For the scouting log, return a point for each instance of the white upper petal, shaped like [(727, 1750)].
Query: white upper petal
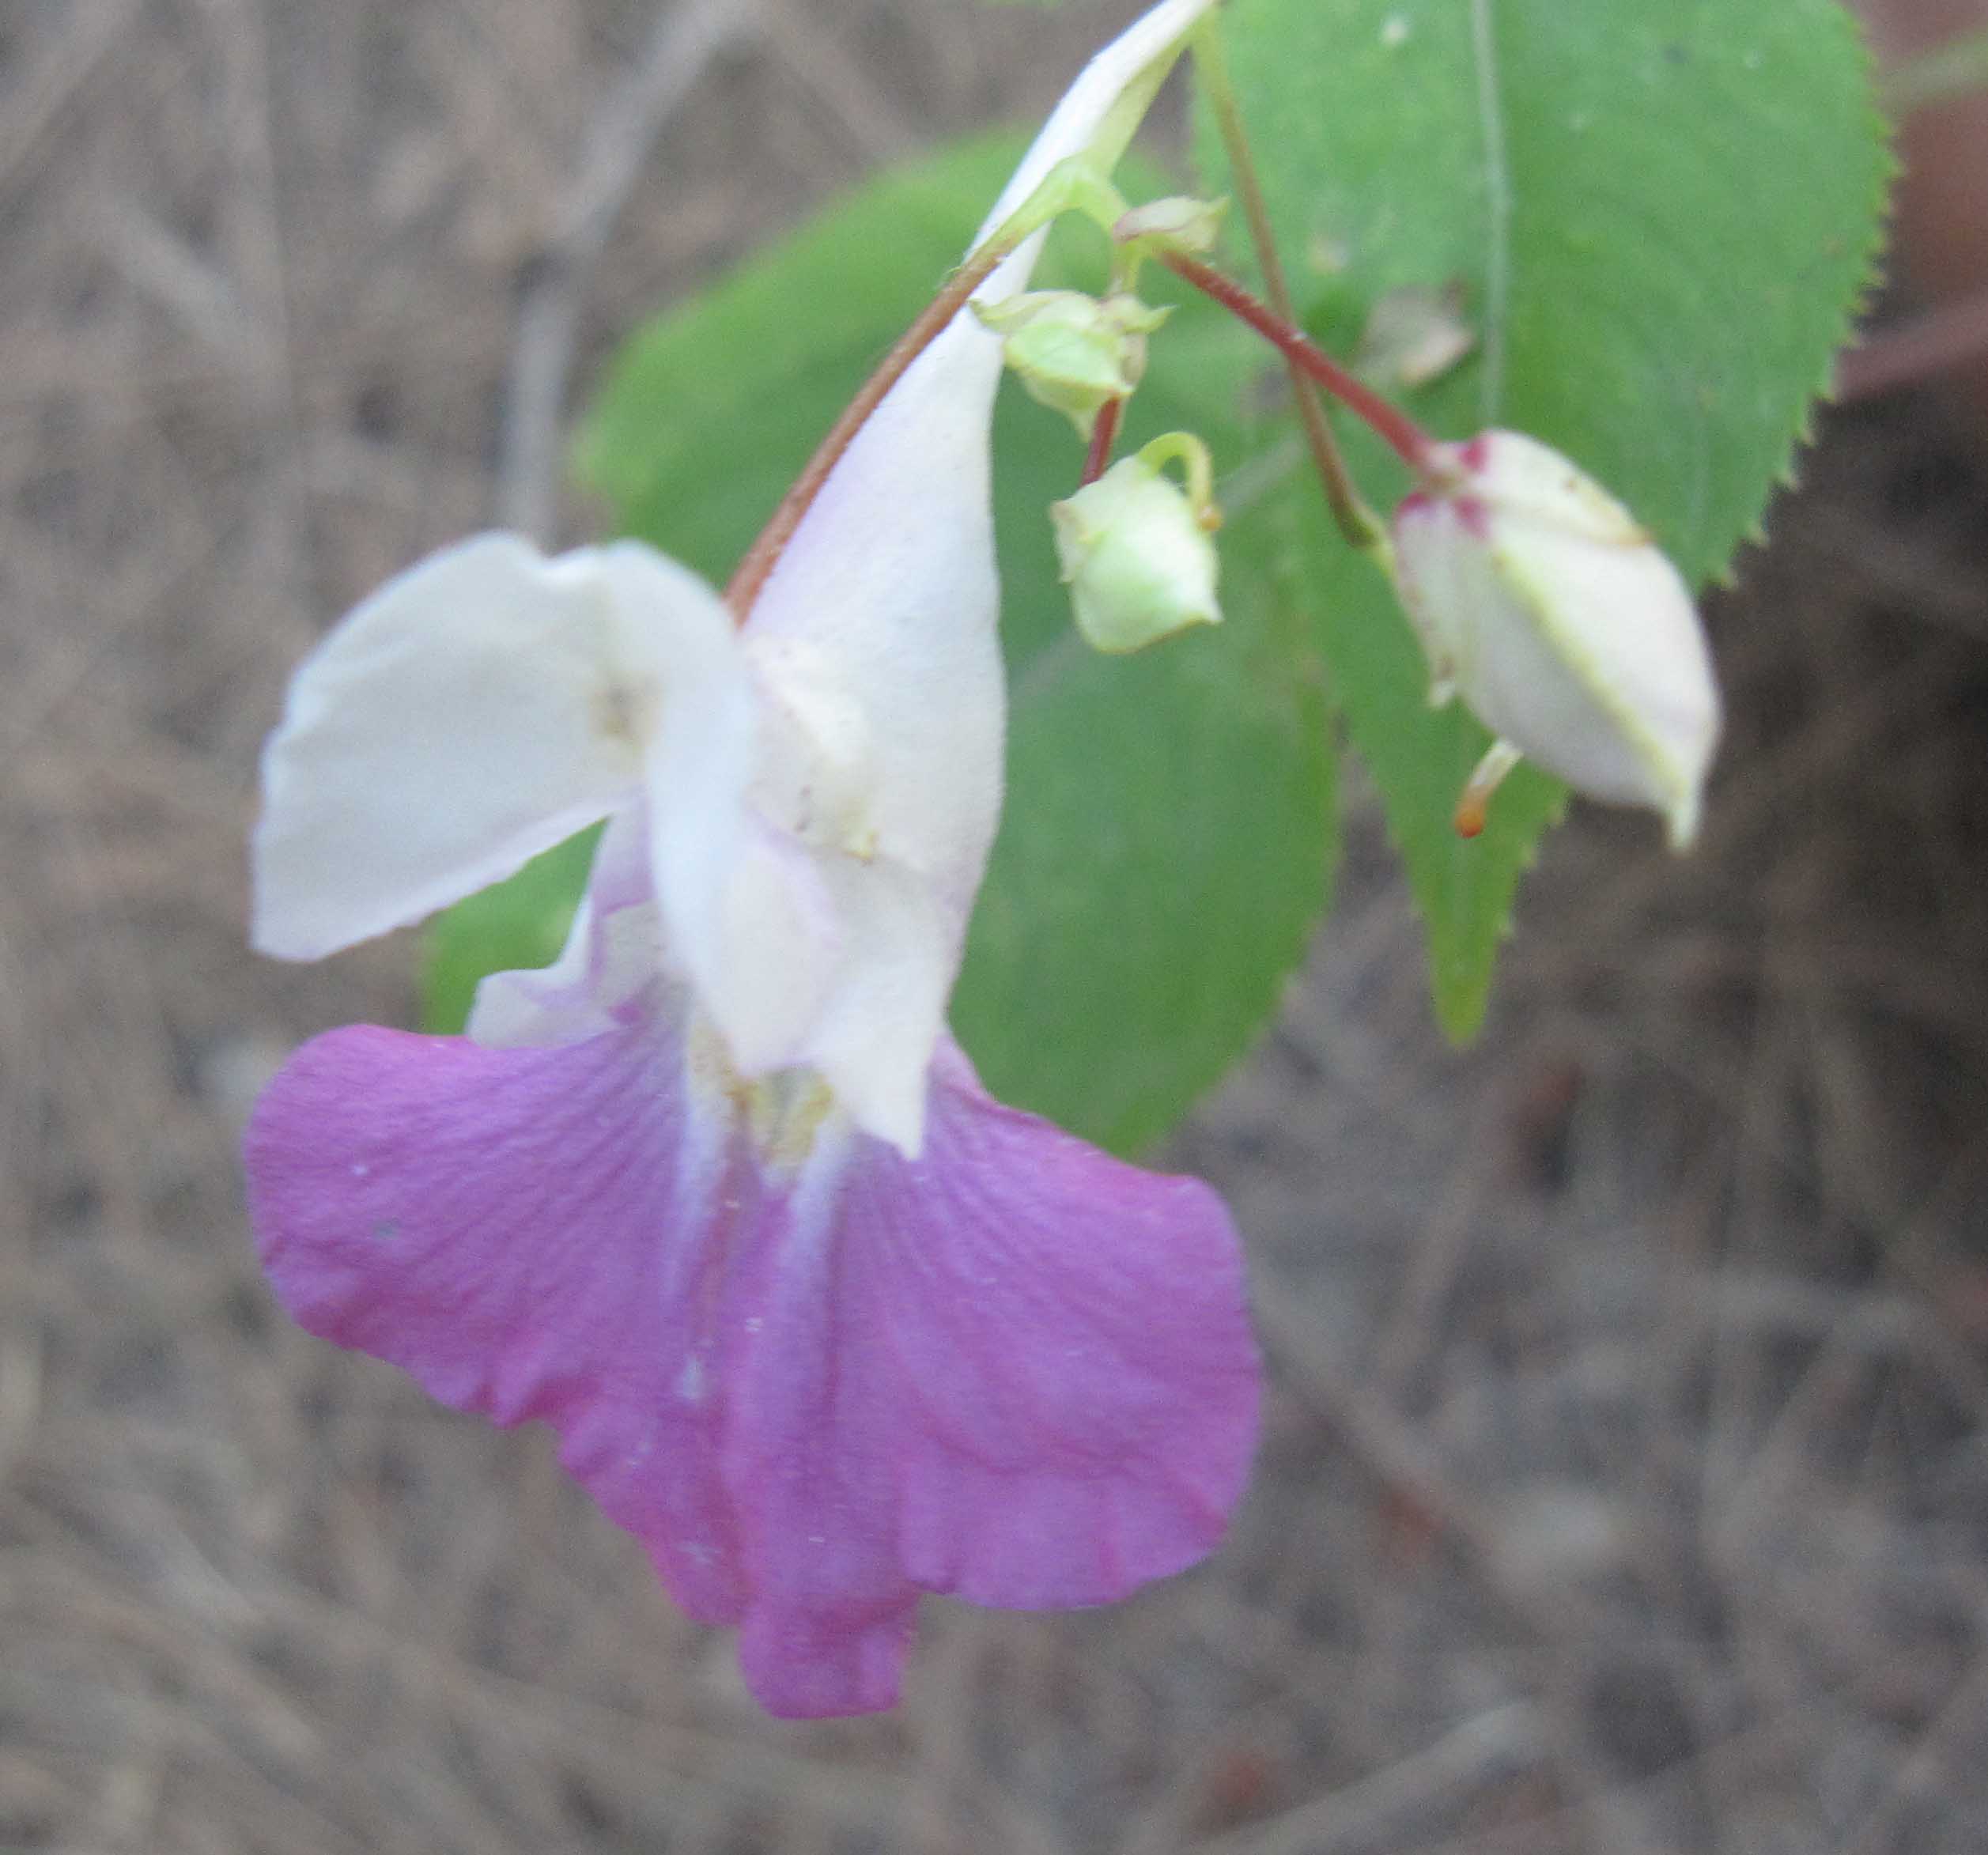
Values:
[(1103, 109), (874, 640), (613, 953), (476, 711)]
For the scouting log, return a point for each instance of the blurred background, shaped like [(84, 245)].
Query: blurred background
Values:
[(1625, 1483)]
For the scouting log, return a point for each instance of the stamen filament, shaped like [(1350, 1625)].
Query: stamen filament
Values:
[(1473, 803), (1356, 522), (1189, 451)]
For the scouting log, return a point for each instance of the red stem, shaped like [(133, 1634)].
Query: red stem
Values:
[(760, 558), (1393, 426), (1104, 435)]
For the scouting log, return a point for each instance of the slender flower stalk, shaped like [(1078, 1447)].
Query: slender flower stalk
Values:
[(1104, 437), (759, 559), (1401, 434), (1356, 522), (1957, 68)]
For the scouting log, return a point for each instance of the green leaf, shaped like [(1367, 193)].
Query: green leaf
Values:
[(1661, 213), (518, 923), (1169, 823), (1170, 827)]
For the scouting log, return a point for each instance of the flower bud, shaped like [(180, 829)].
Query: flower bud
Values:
[(1540, 602), (1136, 551), (1175, 224), (1073, 353)]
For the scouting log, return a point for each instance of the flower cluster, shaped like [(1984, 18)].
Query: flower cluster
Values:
[(715, 1194)]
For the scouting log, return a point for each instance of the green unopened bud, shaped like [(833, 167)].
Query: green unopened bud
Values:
[(1075, 353), (1137, 552), (1176, 224)]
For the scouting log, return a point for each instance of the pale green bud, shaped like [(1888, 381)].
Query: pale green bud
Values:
[(1073, 353), (1176, 224), (1137, 552)]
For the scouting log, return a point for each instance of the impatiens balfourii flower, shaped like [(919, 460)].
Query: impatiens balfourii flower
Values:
[(714, 1195), (1542, 602)]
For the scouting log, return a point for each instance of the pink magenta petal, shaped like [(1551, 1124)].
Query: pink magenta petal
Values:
[(1027, 1376), (531, 1233), (1016, 1369)]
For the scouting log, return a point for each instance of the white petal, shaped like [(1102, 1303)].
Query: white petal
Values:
[(1102, 109), (751, 916), (873, 1042), (886, 597), (1636, 716), (614, 953), (1632, 714), (1531, 482), (542, 1005), (476, 711)]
